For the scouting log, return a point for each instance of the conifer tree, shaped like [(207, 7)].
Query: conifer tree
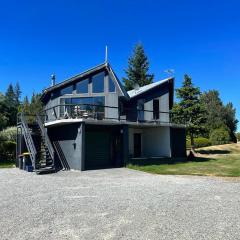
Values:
[(137, 71), (190, 109), (11, 106)]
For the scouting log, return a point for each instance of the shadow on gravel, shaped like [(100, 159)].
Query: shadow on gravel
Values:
[(155, 161), (214, 151)]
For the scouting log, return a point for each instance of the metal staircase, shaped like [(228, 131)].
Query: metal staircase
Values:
[(28, 139), (46, 157), (39, 146), (46, 153), (61, 156)]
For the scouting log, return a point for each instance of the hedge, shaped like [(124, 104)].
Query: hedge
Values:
[(199, 142), (219, 136)]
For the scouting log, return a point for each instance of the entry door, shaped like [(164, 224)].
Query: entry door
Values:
[(137, 144)]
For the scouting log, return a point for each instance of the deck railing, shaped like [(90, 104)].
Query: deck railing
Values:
[(102, 112)]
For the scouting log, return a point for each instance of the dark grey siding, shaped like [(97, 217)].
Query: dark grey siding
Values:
[(178, 142), (70, 140), (130, 107), (88, 147), (105, 146)]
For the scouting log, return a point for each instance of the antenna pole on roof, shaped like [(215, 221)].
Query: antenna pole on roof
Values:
[(106, 54), (170, 72)]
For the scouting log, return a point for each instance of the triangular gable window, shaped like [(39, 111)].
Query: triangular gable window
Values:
[(111, 85)]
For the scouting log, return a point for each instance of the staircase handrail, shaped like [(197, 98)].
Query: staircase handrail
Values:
[(45, 135), (28, 138)]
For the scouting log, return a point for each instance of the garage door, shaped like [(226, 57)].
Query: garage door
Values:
[(97, 150)]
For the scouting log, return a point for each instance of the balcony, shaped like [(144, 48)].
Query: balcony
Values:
[(100, 114)]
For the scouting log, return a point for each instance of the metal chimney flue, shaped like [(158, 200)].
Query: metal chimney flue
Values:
[(53, 79), (136, 86)]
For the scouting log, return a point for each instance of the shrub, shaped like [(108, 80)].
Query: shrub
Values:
[(9, 134), (8, 144), (238, 136), (202, 142), (199, 142), (219, 136), (7, 151)]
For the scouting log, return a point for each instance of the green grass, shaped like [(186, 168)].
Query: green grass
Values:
[(213, 161), (7, 165)]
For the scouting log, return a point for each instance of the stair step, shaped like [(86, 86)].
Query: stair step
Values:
[(47, 169)]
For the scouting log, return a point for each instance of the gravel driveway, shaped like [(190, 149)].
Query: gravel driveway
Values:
[(117, 204)]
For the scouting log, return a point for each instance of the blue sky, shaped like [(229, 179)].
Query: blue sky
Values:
[(201, 38)]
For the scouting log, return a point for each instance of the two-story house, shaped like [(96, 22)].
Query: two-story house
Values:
[(90, 121)]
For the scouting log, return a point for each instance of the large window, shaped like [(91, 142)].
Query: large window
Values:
[(98, 83), (66, 90), (86, 106), (82, 87), (111, 85)]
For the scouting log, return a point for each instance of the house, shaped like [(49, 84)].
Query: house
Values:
[(90, 121)]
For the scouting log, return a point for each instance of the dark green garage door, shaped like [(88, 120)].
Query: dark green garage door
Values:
[(97, 150)]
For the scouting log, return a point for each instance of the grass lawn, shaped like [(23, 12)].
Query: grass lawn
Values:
[(6, 164), (223, 160)]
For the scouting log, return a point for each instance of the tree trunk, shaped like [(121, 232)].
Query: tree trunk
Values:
[(192, 143)]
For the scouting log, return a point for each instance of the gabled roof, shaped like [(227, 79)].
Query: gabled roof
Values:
[(97, 68), (135, 92)]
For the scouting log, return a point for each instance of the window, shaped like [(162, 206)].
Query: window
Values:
[(111, 85), (140, 110), (94, 105), (155, 109), (82, 87), (66, 90), (98, 83)]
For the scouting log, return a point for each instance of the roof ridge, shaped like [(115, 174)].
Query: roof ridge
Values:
[(135, 92), (73, 77)]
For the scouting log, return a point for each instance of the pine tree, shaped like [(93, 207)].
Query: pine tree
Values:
[(137, 71), (25, 106), (230, 120), (11, 106), (214, 110), (36, 105), (17, 93), (3, 111), (219, 116), (189, 108)]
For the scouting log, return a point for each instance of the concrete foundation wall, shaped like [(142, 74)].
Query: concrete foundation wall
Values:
[(155, 141)]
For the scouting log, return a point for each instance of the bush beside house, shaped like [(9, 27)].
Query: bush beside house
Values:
[(199, 142), (220, 136), (8, 144)]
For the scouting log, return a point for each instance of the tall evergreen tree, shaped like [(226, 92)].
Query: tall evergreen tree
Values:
[(18, 93), (25, 106), (36, 105), (3, 111), (11, 105), (189, 108), (214, 110), (137, 71), (230, 120), (218, 115)]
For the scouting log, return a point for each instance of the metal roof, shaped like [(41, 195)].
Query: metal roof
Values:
[(136, 92)]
